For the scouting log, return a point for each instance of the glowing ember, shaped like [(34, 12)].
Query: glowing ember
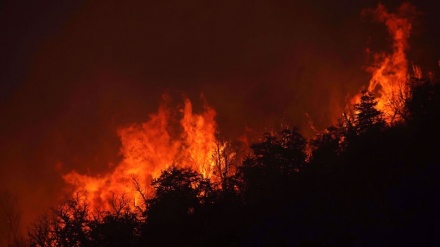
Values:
[(149, 148)]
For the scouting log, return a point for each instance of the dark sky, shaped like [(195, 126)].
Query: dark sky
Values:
[(72, 72)]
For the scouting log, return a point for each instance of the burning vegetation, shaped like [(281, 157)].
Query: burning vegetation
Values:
[(178, 183), (390, 71), (358, 183), (172, 137), (179, 137)]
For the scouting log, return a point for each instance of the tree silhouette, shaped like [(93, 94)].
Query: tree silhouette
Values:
[(118, 227), (70, 225), (179, 194), (283, 153), (274, 161), (40, 232), (423, 104), (65, 225), (368, 118), (225, 164), (326, 149), (115, 230)]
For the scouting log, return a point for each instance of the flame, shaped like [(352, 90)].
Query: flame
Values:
[(389, 79), (199, 135), (150, 147)]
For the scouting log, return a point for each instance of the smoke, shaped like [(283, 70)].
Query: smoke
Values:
[(73, 74)]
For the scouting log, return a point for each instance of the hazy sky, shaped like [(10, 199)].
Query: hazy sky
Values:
[(72, 72)]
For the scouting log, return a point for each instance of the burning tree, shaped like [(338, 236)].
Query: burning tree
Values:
[(225, 160)]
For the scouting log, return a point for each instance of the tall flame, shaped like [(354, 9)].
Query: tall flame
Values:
[(389, 79), (149, 148)]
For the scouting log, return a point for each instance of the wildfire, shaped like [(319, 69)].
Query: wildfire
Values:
[(188, 139), (389, 79), (182, 138)]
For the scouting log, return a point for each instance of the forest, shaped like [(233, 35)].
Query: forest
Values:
[(363, 182)]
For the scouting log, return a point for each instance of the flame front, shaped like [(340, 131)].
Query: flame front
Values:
[(149, 148), (389, 79)]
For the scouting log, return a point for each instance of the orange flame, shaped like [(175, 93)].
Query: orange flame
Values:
[(149, 148), (390, 71)]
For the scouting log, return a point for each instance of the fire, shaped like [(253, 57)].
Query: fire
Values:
[(389, 79), (170, 137)]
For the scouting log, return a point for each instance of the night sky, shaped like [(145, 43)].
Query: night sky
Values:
[(73, 72)]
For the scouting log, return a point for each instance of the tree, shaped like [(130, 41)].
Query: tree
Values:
[(177, 191), (180, 193), (368, 118), (71, 223), (326, 148), (225, 166), (40, 232), (283, 153), (267, 172), (118, 227), (65, 225), (424, 103), (115, 229)]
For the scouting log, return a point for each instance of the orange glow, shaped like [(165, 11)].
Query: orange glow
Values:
[(150, 147), (389, 79)]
